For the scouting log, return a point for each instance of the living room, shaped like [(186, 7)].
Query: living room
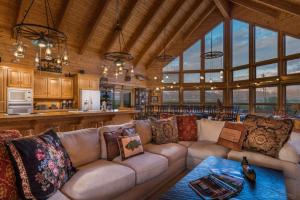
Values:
[(157, 99)]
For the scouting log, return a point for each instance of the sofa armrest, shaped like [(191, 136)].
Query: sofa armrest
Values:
[(289, 153)]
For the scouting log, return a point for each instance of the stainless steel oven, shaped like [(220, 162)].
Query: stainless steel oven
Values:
[(19, 101)]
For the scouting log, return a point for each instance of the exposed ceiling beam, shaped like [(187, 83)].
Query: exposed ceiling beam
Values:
[(175, 9), (22, 7), (176, 30), (282, 5), (142, 25), (91, 30), (198, 23), (257, 7), (111, 37), (66, 10), (224, 8)]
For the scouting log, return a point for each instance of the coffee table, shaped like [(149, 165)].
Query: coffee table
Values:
[(269, 183)]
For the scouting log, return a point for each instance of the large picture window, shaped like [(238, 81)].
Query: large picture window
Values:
[(241, 75), (266, 44), (212, 77), (292, 45), (240, 43), (171, 97), (171, 78), (292, 99), (269, 70), (293, 66), (240, 97), (191, 57), (212, 96), (266, 100), (191, 78), (191, 96), (173, 66)]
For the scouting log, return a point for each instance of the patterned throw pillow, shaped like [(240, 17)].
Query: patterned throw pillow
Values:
[(130, 146), (164, 130), (42, 165), (129, 131), (111, 140), (187, 127), (266, 135), (232, 136), (8, 187)]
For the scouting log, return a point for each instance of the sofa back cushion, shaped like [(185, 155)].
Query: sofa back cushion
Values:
[(187, 127), (107, 129), (164, 130), (266, 135), (83, 146), (143, 128), (209, 130)]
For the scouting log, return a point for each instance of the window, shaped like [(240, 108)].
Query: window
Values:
[(170, 78), (191, 96), (171, 96), (292, 45), (213, 77), (211, 96), (240, 43), (116, 100), (191, 57), (217, 35), (191, 78), (266, 44), (240, 97), (266, 99), (173, 66), (292, 99), (293, 66), (126, 98), (240, 75), (267, 70)]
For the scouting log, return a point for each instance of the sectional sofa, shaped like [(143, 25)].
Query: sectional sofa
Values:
[(140, 176)]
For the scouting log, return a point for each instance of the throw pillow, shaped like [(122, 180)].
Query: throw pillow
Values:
[(266, 135), (42, 165), (164, 130), (143, 128), (129, 131), (187, 127), (232, 136), (111, 141), (8, 187), (130, 146)]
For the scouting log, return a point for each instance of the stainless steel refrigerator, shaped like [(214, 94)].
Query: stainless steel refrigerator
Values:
[(89, 100)]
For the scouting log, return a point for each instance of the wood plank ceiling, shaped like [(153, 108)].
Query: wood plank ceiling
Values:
[(148, 25)]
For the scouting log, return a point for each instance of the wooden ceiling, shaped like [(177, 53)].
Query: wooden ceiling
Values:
[(148, 25)]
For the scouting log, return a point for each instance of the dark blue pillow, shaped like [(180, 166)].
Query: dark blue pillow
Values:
[(42, 165)]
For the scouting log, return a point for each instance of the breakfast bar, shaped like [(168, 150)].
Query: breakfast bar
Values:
[(30, 124)]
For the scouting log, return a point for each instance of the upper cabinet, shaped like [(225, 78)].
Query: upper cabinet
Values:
[(88, 82), (49, 86), (17, 77)]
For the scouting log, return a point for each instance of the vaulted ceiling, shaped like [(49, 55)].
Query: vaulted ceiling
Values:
[(148, 25)]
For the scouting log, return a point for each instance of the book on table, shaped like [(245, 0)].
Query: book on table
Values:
[(218, 185)]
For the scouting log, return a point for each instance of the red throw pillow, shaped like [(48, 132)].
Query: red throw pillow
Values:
[(8, 187), (187, 127)]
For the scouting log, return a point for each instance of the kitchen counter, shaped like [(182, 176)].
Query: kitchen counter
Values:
[(63, 121)]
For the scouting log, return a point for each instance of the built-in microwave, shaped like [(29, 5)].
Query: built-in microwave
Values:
[(19, 95), (19, 101)]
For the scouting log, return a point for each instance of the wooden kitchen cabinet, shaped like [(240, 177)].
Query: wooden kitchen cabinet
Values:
[(40, 86), (67, 88), (2, 90), (88, 82), (54, 88), (17, 77), (94, 84)]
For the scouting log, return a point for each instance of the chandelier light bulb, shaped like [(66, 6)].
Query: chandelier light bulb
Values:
[(157, 89), (171, 86), (37, 59), (162, 81), (155, 77), (210, 80), (174, 82), (20, 48), (58, 60), (167, 77), (48, 53), (120, 68), (221, 77), (201, 77), (212, 88), (221, 72), (105, 69), (16, 54)]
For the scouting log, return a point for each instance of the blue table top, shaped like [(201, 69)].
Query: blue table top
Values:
[(269, 183)]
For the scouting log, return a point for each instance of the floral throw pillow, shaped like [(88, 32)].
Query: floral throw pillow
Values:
[(42, 166), (266, 135), (130, 146), (187, 127), (164, 130), (8, 187)]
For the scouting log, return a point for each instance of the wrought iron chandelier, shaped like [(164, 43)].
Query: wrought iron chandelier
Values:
[(121, 59), (164, 57), (50, 43)]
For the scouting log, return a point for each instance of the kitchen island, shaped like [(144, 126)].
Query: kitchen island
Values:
[(31, 124)]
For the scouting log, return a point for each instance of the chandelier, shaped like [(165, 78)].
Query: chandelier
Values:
[(50, 44), (121, 58), (164, 57)]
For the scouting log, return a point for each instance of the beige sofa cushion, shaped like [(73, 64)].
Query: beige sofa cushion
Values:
[(290, 169), (99, 180), (83, 146), (209, 130), (203, 149), (110, 128), (143, 128), (146, 166), (288, 153), (58, 196), (172, 151), (186, 143)]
